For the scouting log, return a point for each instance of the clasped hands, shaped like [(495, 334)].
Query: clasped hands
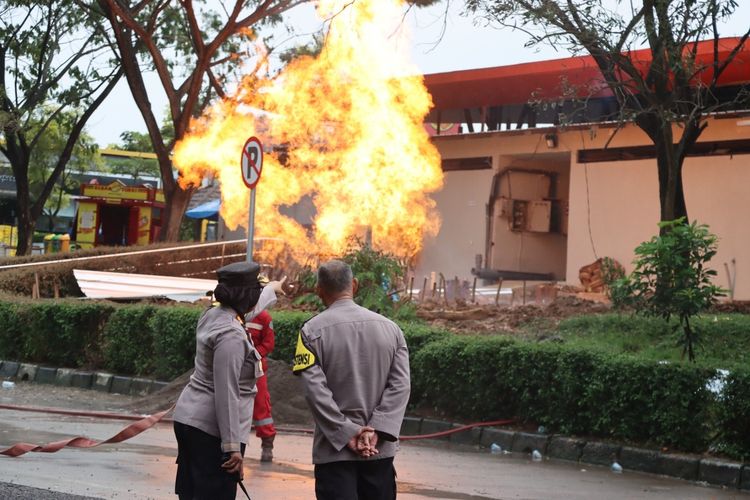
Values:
[(365, 442)]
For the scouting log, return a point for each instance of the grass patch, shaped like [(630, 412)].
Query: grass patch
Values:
[(724, 338)]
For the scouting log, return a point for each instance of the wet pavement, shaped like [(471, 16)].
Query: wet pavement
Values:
[(143, 468)]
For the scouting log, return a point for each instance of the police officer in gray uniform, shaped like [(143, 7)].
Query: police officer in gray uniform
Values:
[(213, 415), (354, 364)]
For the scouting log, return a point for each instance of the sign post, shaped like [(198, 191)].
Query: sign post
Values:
[(252, 165)]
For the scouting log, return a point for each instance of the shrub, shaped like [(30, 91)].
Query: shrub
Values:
[(418, 335), (286, 327), (671, 278), (571, 391), (444, 377), (733, 419), (173, 331), (128, 342), (12, 333), (63, 333), (381, 286)]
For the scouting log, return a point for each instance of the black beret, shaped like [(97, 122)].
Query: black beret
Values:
[(239, 274)]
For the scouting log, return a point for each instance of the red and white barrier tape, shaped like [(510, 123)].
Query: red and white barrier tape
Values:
[(144, 423), (128, 432)]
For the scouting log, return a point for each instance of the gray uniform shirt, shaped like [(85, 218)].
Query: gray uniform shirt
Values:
[(360, 377), (220, 394)]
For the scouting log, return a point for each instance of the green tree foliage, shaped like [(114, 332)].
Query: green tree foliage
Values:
[(194, 48), (658, 96), (45, 156), (380, 276), (57, 68), (381, 282), (134, 167), (310, 49), (671, 278)]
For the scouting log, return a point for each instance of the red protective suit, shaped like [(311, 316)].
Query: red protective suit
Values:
[(260, 329)]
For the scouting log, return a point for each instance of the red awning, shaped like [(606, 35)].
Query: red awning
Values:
[(547, 80)]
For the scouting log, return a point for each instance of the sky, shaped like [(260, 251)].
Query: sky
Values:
[(439, 43)]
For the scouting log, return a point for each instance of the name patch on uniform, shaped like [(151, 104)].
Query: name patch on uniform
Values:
[(303, 357)]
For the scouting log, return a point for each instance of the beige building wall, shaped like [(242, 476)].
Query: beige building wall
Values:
[(623, 202), (614, 206), (625, 212), (510, 250), (718, 194), (462, 207)]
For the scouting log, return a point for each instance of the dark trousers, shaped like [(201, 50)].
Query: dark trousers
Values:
[(356, 480), (199, 472)]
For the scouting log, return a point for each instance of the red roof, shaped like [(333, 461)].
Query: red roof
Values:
[(518, 83)]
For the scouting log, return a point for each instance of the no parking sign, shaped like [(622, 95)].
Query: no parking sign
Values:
[(251, 165), (252, 162)]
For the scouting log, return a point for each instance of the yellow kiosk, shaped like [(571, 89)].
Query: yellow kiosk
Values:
[(116, 214)]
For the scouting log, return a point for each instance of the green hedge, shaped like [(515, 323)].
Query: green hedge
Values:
[(11, 333), (158, 341), (286, 327), (569, 390), (127, 340), (63, 333), (734, 415), (173, 330)]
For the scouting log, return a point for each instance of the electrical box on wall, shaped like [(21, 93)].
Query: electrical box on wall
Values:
[(539, 215), (503, 207), (518, 216), (530, 216)]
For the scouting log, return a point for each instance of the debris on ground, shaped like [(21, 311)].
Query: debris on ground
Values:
[(595, 276)]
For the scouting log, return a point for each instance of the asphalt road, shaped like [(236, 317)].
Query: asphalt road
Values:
[(143, 468)]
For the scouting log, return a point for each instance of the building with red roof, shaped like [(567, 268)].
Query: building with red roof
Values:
[(541, 180)]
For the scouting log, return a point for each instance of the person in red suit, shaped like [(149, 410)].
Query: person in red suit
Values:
[(260, 330)]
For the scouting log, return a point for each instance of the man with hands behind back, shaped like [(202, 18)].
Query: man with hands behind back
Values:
[(354, 365)]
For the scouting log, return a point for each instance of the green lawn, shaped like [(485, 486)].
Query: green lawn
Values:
[(725, 338)]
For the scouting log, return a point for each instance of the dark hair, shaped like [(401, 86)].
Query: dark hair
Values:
[(240, 298), (335, 276)]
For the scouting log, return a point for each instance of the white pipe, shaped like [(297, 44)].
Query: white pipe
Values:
[(139, 252)]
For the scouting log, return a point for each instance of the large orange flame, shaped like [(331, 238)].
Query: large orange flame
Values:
[(351, 123)]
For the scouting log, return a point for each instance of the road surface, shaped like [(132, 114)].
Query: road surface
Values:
[(143, 468)]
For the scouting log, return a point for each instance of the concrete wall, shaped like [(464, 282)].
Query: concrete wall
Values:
[(614, 206), (462, 206), (623, 201)]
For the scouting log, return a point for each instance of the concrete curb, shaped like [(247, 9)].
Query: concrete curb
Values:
[(66, 377), (723, 473)]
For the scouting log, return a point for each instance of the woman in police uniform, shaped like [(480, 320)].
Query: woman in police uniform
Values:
[(213, 415)]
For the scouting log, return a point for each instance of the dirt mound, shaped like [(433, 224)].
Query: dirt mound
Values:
[(287, 398), (493, 319), (736, 306)]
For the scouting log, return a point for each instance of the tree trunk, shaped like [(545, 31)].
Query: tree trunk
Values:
[(671, 191), (18, 157), (669, 163), (26, 225), (177, 202)]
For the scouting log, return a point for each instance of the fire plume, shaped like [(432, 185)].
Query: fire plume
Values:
[(351, 124)]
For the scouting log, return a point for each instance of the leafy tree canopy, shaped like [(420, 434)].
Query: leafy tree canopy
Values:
[(57, 68)]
